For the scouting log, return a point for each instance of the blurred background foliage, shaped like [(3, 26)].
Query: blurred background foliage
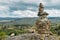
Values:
[(21, 29)]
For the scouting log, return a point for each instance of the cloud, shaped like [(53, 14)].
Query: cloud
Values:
[(28, 8), (8, 1), (26, 13), (55, 2), (34, 1), (4, 11), (29, 13), (53, 13)]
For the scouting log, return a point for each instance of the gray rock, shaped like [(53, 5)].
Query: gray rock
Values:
[(31, 36)]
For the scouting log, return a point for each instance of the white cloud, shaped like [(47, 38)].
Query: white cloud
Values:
[(45, 2), (53, 13), (26, 13), (29, 8), (52, 2), (55, 2), (35, 1), (8, 1), (4, 8), (25, 1), (4, 11)]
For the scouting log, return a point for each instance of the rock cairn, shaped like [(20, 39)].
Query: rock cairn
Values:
[(43, 24)]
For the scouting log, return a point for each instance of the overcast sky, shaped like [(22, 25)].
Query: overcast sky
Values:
[(28, 8)]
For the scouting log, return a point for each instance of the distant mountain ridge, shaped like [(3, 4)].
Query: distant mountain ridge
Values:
[(27, 20), (9, 18)]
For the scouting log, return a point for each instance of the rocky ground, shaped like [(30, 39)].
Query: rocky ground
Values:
[(30, 36)]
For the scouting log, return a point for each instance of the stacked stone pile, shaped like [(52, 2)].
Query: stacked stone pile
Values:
[(43, 25)]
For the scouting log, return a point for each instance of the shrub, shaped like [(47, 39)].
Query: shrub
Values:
[(2, 35)]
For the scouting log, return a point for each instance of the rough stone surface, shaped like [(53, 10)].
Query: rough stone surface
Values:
[(30, 36)]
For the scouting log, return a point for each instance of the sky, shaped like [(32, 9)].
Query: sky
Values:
[(28, 8)]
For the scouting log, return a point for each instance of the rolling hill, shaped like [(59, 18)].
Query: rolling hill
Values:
[(28, 20)]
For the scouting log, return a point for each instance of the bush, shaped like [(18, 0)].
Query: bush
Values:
[(2, 35), (59, 32), (56, 30)]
